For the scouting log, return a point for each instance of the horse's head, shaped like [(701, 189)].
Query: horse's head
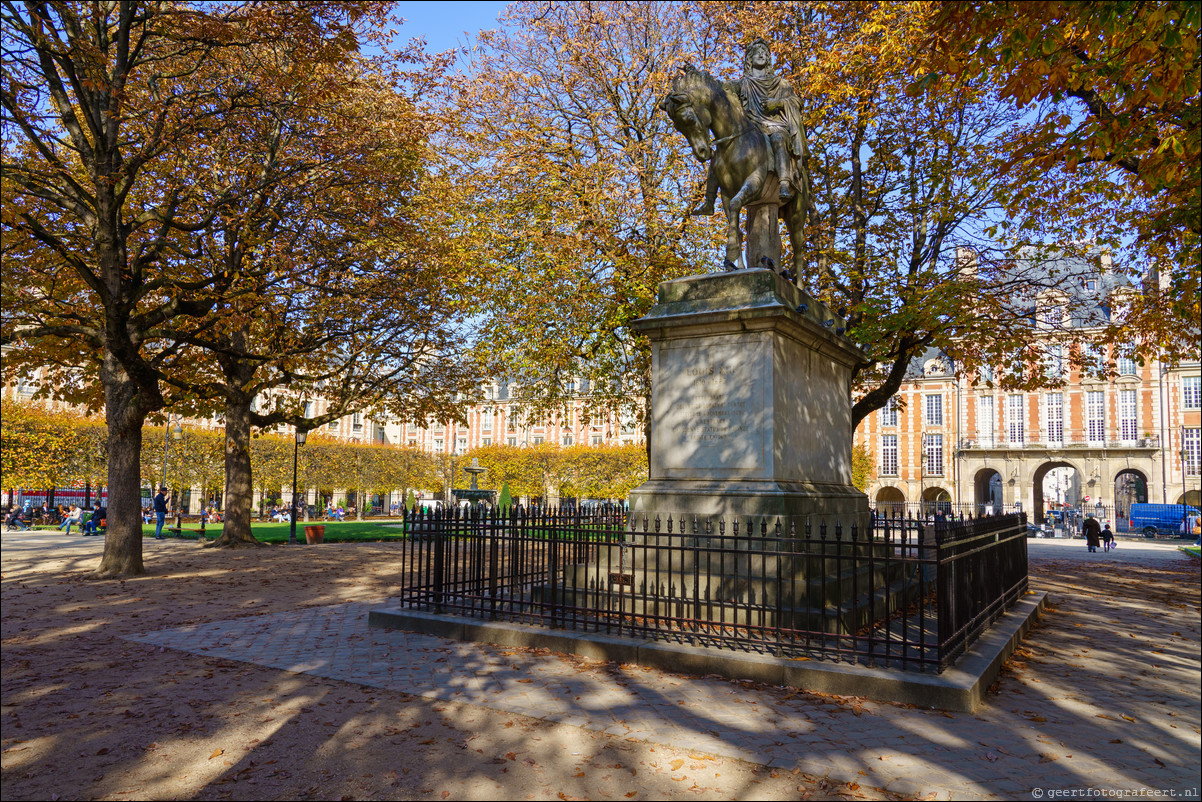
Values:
[(689, 113)]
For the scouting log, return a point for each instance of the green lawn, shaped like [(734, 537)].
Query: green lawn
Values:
[(336, 532)]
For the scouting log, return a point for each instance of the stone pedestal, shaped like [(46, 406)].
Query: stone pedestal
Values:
[(750, 406)]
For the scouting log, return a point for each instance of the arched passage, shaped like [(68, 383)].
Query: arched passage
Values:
[(890, 501), (1055, 486), (987, 491), (935, 499), (1130, 487), (1193, 498)]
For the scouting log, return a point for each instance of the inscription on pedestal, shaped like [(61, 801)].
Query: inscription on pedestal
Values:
[(713, 415), (713, 411)]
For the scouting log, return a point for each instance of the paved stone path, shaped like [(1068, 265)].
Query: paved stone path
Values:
[(1104, 694)]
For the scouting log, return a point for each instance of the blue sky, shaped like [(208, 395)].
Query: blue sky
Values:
[(447, 25)]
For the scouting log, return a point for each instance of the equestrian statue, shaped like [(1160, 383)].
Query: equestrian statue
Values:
[(757, 156)]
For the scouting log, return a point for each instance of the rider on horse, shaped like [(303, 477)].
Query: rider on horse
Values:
[(776, 111)]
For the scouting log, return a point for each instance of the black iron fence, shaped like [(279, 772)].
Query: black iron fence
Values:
[(894, 591), (932, 509)]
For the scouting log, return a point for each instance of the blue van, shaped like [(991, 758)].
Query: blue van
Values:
[(1164, 519)]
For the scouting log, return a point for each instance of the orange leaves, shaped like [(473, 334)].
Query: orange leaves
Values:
[(44, 447), (1128, 74)]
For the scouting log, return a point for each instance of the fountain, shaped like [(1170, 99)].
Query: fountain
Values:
[(474, 494)]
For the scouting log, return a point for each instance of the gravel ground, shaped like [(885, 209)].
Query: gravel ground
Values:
[(87, 714)]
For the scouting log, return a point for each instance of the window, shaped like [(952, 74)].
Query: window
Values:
[(1016, 413), (412, 443), (889, 412), (1055, 418), (438, 446), (596, 440), (1126, 366), (986, 418), (1191, 392), (889, 455), (1095, 416), (512, 441), (486, 422), (461, 445), (487, 441), (333, 425), (1093, 359), (1052, 316), (357, 422), (308, 409), (986, 374), (934, 410), (379, 434), (538, 441), (567, 439), (1191, 444), (1089, 284), (1053, 363), (933, 451), (1128, 419)]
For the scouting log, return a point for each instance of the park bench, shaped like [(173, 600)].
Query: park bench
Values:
[(179, 528)]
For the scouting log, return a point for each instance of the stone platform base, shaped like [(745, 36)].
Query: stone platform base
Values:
[(959, 688)]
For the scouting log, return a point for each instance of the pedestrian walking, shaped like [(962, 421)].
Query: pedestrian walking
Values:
[(1092, 532), (1108, 541), (160, 512)]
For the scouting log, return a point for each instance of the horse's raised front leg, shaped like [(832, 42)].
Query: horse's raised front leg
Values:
[(711, 193)]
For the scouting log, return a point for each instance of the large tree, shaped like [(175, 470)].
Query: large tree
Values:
[(1124, 81), (573, 194), (104, 104), (910, 232), (333, 284)]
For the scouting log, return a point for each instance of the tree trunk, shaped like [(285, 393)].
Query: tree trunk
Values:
[(239, 489), (124, 416)]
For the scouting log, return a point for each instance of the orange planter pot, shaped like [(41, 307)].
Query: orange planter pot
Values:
[(315, 534)]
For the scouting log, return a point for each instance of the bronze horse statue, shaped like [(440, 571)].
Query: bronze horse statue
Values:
[(740, 157)]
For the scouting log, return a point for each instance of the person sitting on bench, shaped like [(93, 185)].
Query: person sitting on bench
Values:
[(14, 520), (92, 527)]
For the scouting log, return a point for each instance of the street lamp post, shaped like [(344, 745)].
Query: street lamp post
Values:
[(449, 498), (300, 441), (176, 433), (922, 465)]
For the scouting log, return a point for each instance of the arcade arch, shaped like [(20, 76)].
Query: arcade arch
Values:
[(1130, 487), (935, 499), (987, 491), (890, 501), (1056, 485)]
